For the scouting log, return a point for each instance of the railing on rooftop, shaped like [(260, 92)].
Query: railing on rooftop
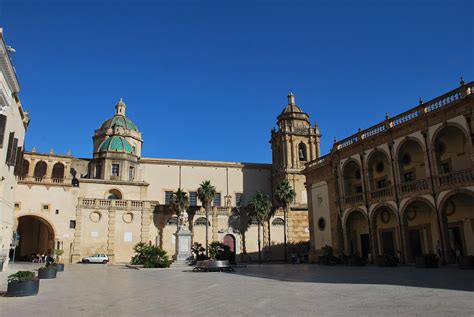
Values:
[(43, 180), (110, 203), (444, 100)]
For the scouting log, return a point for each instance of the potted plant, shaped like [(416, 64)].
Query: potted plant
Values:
[(59, 264), (466, 262), (429, 261), (48, 271), (22, 283)]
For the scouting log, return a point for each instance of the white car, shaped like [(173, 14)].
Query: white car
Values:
[(96, 258)]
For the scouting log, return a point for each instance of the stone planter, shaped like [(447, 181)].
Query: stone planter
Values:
[(427, 261), (47, 273), (466, 262), (24, 288), (60, 267)]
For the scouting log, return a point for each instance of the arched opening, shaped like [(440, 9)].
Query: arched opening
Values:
[(420, 229), (278, 222), (352, 178), (40, 170), (411, 161), (25, 167), (379, 170), (451, 150), (114, 194), (302, 154), (201, 221), (58, 171), (229, 240), (357, 231), (386, 234), (458, 222), (36, 237)]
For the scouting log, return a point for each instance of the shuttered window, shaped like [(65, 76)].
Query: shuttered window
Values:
[(3, 124), (11, 137)]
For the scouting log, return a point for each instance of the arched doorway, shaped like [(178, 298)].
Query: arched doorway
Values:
[(229, 240), (357, 234), (457, 216), (385, 232), (36, 236)]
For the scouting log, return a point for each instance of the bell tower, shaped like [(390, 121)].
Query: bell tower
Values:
[(294, 143)]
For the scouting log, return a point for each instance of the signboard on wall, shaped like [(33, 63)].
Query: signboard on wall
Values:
[(127, 237)]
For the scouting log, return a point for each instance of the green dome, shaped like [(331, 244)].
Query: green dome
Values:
[(115, 144), (119, 121)]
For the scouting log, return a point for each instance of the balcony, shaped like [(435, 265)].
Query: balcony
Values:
[(456, 178), (382, 194), (354, 200), (416, 187), (94, 203), (43, 180)]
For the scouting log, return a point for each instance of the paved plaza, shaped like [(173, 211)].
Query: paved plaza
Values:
[(265, 290)]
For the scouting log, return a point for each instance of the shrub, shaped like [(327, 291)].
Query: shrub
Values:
[(198, 251), (149, 256), (21, 276), (219, 251), (58, 253)]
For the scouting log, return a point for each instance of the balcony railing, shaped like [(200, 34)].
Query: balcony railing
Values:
[(352, 200), (43, 180), (110, 203), (382, 194), (416, 186), (457, 178)]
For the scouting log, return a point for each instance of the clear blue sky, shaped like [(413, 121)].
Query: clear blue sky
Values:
[(207, 79)]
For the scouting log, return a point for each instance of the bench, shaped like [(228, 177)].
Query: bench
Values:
[(213, 266)]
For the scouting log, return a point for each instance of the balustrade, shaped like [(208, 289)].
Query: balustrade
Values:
[(415, 186), (457, 177), (114, 203), (356, 199), (382, 193), (43, 180)]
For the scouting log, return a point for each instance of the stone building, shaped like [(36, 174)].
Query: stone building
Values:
[(13, 124), (402, 187), (117, 198)]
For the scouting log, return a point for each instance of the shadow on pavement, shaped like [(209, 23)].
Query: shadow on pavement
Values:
[(443, 278)]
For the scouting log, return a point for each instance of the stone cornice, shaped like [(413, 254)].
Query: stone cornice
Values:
[(7, 65), (159, 161), (111, 182)]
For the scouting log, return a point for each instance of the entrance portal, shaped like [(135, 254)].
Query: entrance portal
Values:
[(36, 236), (229, 241)]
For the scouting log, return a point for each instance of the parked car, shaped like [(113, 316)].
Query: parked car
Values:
[(96, 258)]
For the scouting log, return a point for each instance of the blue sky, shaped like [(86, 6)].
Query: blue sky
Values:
[(207, 79)]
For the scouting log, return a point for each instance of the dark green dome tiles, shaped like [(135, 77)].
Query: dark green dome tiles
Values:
[(119, 121), (115, 144)]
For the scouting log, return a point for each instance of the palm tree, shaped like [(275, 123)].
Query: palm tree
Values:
[(260, 207), (206, 193), (268, 217), (285, 195), (180, 202)]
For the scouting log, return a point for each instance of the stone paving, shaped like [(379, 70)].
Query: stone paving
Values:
[(256, 290)]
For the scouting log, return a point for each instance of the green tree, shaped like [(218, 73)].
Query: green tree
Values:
[(149, 256), (259, 207), (180, 202), (206, 193), (285, 195)]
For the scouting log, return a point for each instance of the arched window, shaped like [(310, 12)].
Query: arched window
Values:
[(253, 222), (25, 166), (114, 194), (302, 152), (58, 171), (40, 169), (278, 222), (201, 221)]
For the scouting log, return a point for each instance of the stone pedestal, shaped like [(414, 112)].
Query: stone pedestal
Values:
[(183, 245)]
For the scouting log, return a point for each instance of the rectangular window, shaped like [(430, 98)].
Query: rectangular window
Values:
[(72, 224), (168, 195), (238, 199), (192, 198), (445, 168), (44, 207), (11, 137), (17, 206), (3, 125), (409, 176), (217, 200), (382, 183), (358, 189), (115, 169), (19, 162), (131, 173)]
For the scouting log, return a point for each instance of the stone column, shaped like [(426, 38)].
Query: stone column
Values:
[(145, 223), (111, 236)]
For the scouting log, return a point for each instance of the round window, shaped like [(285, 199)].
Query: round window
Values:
[(127, 217), (385, 216), (95, 216), (380, 167), (321, 224)]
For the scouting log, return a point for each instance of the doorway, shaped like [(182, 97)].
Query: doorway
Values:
[(415, 247), (229, 240), (388, 243), (36, 237), (365, 245)]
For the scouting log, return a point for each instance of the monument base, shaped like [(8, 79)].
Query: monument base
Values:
[(183, 245)]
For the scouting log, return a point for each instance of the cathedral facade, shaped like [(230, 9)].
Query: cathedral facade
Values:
[(117, 198)]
